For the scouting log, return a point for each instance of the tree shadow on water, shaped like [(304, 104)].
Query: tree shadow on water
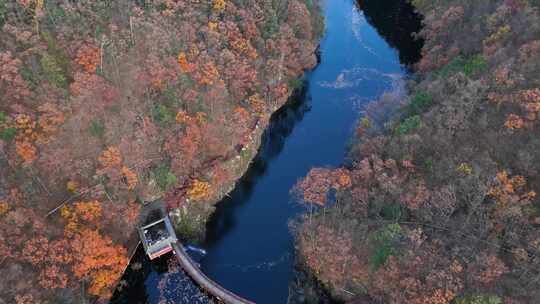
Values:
[(282, 124)]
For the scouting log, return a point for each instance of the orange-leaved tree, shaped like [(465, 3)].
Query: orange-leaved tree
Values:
[(185, 66), (98, 260), (110, 157), (26, 150), (131, 178), (88, 57), (314, 188), (219, 5), (81, 213), (509, 190), (199, 190)]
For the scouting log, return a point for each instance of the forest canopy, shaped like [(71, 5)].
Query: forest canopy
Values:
[(105, 105), (440, 204)]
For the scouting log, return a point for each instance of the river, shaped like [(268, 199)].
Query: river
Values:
[(250, 245)]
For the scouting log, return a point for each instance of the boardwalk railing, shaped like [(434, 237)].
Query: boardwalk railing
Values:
[(200, 278)]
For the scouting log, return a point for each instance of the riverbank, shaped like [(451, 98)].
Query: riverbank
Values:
[(439, 204), (108, 105), (249, 245), (132, 284), (191, 219)]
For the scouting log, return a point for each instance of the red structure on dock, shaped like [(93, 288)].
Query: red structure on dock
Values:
[(158, 237)]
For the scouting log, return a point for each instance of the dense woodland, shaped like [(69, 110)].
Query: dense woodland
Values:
[(105, 105), (440, 203)]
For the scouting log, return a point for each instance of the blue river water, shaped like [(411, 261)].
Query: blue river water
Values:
[(249, 244)]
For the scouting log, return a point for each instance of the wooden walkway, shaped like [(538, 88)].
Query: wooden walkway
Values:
[(205, 282)]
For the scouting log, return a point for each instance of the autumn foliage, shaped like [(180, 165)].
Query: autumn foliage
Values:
[(88, 58), (315, 187), (79, 214), (185, 66), (199, 190), (110, 157), (510, 194), (444, 211), (219, 5), (104, 108), (26, 150), (99, 261), (130, 177)]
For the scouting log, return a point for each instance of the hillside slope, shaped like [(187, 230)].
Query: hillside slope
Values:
[(440, 204), (105, 105)]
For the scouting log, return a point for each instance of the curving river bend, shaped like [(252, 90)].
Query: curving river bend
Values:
[(250, 248)]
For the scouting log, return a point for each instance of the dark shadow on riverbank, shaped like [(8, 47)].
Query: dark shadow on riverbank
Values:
[(281, 125), (132, 288), (396, 21)]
